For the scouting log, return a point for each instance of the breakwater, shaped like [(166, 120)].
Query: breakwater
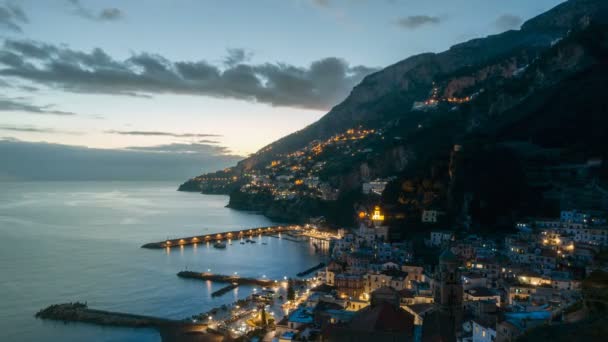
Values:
[(79, 312), (224, 290), (235, 234), (225, 278), (310, 270), (220, 278)]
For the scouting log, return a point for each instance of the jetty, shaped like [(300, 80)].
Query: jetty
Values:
[(220, 278), (310, 270), (224, 290), (217, 237), (235, 279), (80, 312)]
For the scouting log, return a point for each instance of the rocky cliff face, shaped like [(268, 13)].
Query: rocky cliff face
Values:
[(489, 90), (387, 94)]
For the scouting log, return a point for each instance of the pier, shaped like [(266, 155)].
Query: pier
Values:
[(236, 234), (79, 312)]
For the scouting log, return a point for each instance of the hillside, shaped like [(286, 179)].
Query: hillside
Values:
[(466, 131)]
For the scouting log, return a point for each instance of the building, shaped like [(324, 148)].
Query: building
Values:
[(444, 323), (483, 331), (382, 320), (375, 187), (481, 293), (439, 238), (395, 279), (302, 316), (349, 285), (430, 216)]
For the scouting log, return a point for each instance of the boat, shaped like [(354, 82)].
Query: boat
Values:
[(220, 245)]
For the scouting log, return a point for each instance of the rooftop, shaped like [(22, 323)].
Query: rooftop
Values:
[(481, 292), (301, 315)]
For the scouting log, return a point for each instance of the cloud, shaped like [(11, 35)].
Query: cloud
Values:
[(321, 3), (207, 141), (105, 14), (164, 134), (32, 129), (193, 148), (508, 22), (24, 161), (12, 17), (21, 105), (415, 21), (237, 56), (319, 86)]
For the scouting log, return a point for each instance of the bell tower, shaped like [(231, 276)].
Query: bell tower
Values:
[(449, 293)]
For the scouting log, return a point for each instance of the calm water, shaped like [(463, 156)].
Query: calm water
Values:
[(80, 241)]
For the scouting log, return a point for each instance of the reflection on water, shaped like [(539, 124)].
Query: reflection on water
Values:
[(81, 241)]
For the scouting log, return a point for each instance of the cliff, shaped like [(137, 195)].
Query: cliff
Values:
[(532, 85)]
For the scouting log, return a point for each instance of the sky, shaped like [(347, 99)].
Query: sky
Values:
[(206, 81)]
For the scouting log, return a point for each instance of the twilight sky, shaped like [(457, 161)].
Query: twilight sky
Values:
[(209, 78)]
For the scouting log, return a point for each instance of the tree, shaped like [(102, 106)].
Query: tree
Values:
[(263, 317), (291, 293)]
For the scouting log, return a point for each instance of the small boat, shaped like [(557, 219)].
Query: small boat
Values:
[(220, 245), (242, 243)]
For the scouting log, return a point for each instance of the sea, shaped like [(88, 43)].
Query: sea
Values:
[(80, 241)]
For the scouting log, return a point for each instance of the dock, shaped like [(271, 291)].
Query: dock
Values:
[(80, 312), (215, 237)]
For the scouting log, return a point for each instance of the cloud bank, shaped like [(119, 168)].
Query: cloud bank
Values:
[(46, 161), (319, 86), (164, 134)]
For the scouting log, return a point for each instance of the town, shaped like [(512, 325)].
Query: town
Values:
[(549, 272), (302, 173)]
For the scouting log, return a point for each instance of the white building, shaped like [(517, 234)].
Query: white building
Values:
[(375, 187), (483, 332)]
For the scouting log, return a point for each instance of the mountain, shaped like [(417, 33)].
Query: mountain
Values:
[(467, 131)]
